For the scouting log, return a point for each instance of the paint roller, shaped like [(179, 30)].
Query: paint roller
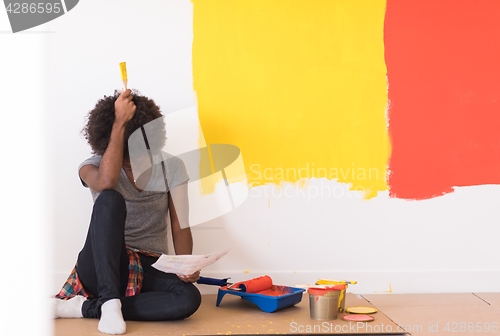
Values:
[(254, 285), (250, 286), (213, 282)]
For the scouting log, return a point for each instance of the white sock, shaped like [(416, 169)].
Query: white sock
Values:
[(111, 318), (68, 308)]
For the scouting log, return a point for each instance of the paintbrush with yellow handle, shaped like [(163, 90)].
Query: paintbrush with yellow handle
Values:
[(123, 72), (324, 281)]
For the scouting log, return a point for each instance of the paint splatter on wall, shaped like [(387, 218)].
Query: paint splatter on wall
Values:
[(443, 63), (299, 87)]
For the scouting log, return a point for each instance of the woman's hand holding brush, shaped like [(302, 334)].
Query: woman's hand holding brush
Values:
[(124, 107)]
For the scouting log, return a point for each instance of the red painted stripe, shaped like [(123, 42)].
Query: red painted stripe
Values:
[(443, 67)]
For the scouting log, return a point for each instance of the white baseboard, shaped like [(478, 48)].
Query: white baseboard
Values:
[(383, 282), (369, 282)]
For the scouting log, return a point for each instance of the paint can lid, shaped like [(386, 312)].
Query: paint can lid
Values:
[(361, 310), (358, 318)]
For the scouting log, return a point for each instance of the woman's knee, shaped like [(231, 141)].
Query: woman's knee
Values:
[(192, 301), (110, 199), (188, 300)]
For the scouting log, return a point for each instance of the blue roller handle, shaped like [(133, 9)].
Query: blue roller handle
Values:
[(212, 281)]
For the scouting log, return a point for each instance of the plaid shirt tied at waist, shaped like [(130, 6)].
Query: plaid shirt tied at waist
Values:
[(73, 287)]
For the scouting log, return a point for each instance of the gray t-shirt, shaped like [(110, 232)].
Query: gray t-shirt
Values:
[(146, 222)]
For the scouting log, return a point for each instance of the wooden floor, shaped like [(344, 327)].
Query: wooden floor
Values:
[(417, 314)]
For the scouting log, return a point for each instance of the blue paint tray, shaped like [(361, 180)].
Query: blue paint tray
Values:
[(267, 303)]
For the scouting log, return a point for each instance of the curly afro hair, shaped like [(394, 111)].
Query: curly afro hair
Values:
[(97, 130)]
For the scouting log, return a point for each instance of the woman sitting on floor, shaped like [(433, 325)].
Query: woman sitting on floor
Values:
[(113, 279)]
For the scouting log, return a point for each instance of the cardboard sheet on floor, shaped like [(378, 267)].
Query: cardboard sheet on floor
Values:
[(492, 298), (237, 316), (440, 314)]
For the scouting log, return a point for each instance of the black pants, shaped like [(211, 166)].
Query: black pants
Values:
[(103, 271)]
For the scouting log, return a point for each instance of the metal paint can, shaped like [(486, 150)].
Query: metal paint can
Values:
[(342, 291), (323, 303)]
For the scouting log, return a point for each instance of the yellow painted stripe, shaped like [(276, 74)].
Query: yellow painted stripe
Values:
[(299, 86)]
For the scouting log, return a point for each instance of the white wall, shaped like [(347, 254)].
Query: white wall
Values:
[(446, 244), (25, 240)]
